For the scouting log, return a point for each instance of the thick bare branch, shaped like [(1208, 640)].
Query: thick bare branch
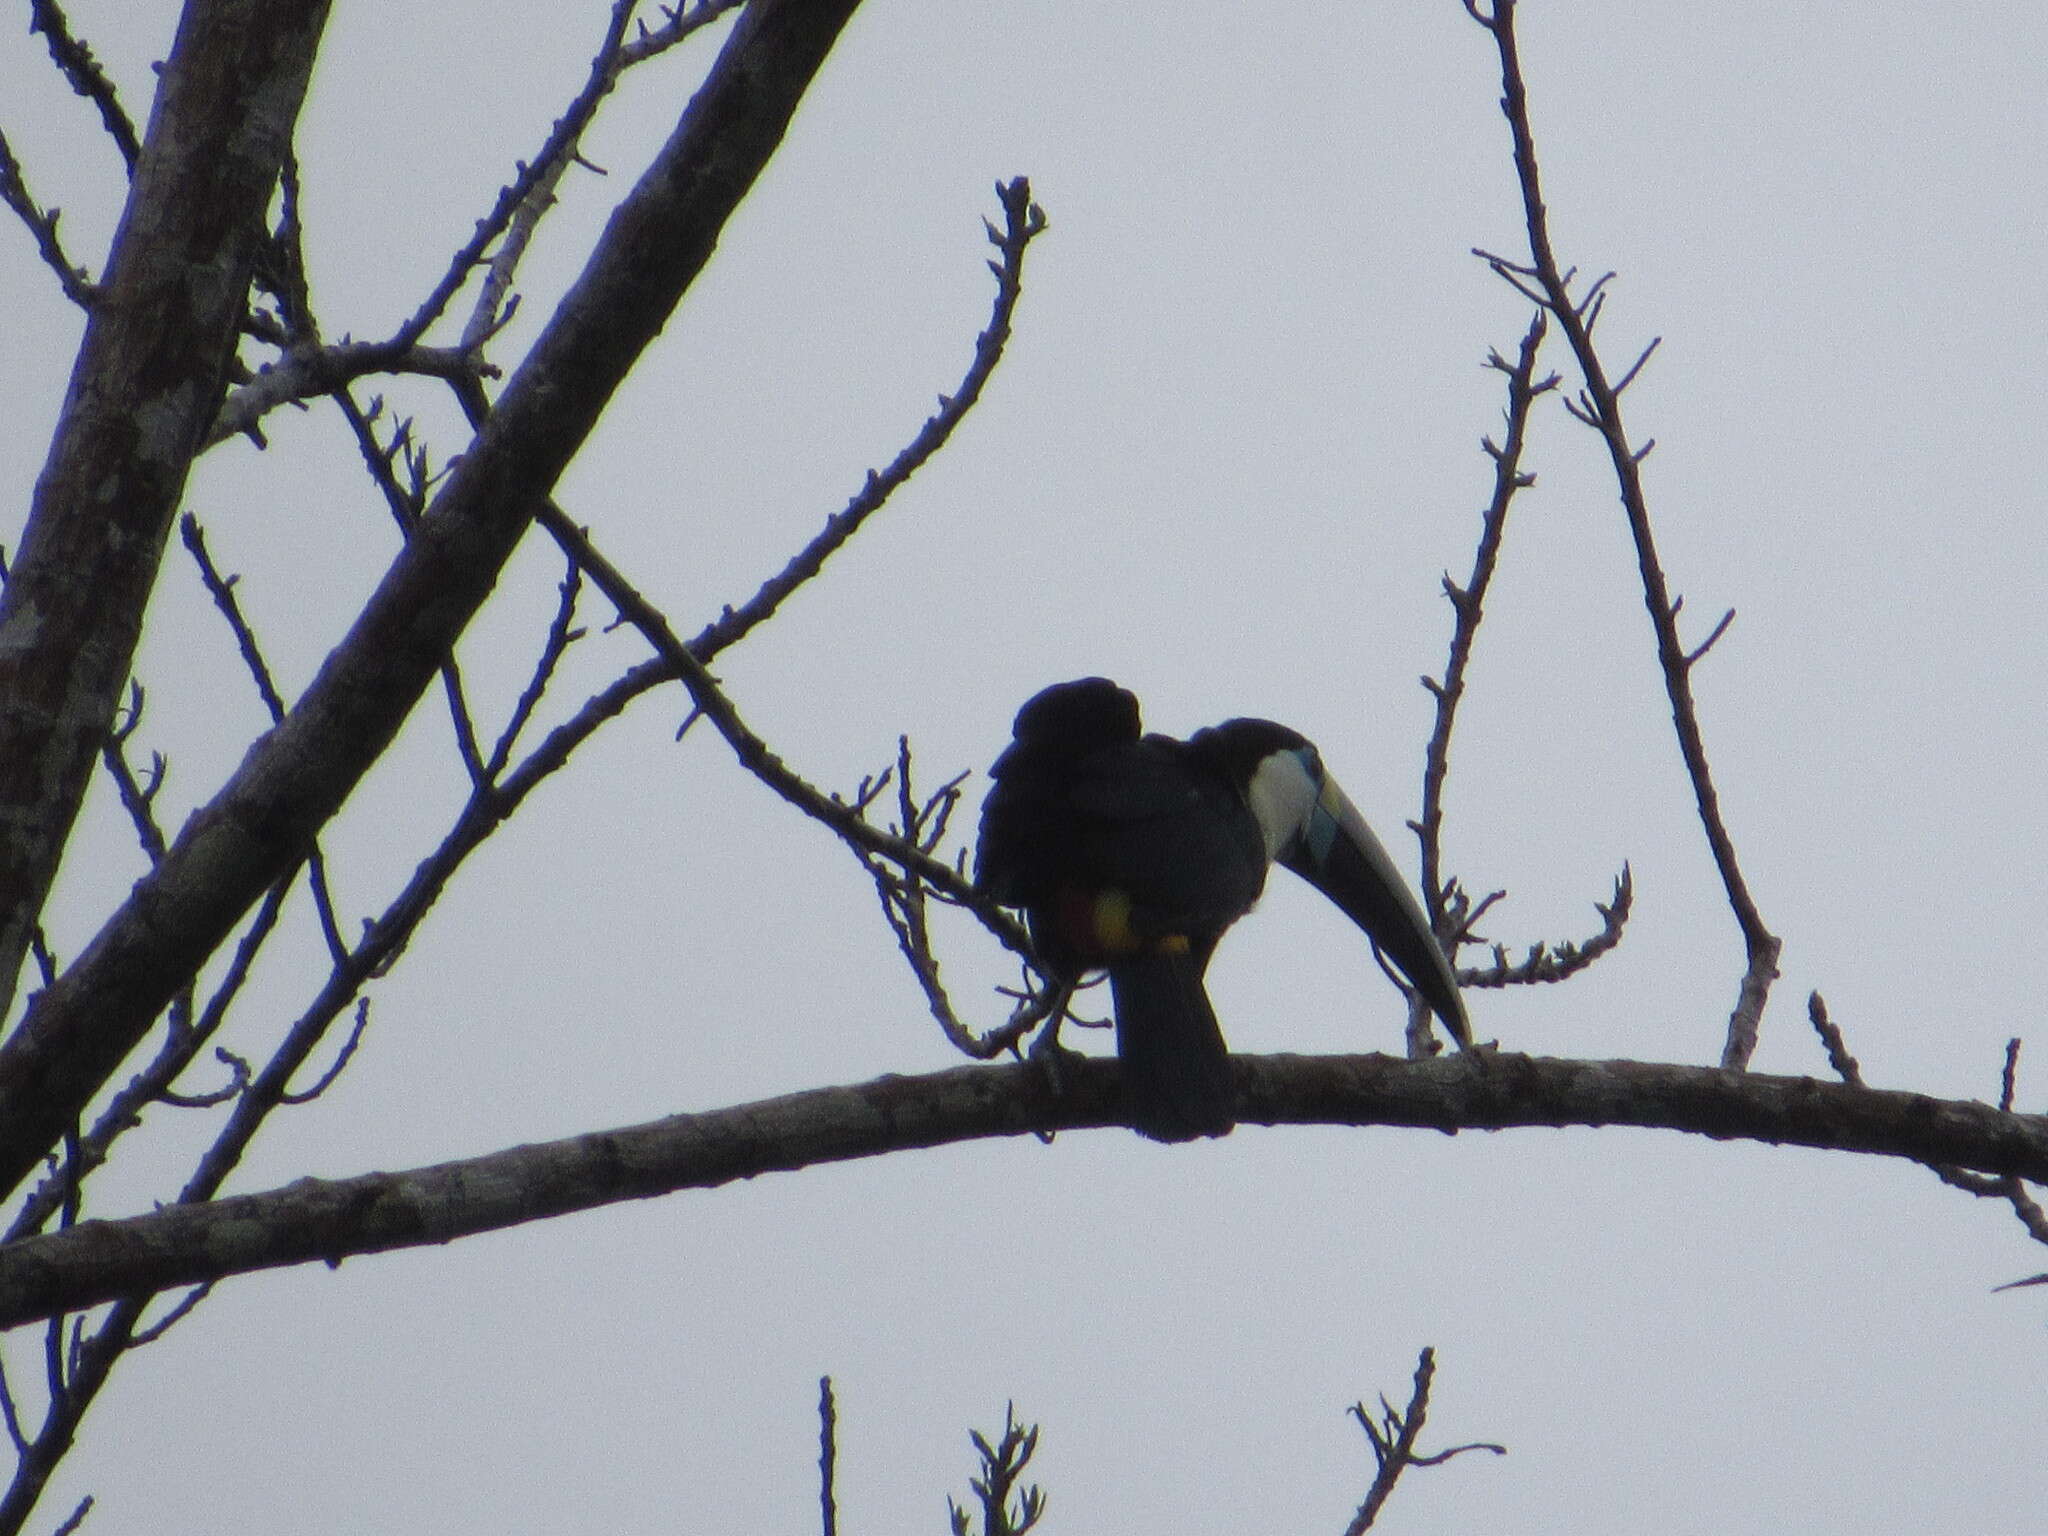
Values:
[(2007, 1187), (145, 387), (315, 1219), (295, 778)]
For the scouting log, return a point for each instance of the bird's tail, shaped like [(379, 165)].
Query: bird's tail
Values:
[(1176, 1068)]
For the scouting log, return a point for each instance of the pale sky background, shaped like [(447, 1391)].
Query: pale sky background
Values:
[(1231, 452)]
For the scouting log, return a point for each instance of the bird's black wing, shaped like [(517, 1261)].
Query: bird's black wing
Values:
[(1030, 822), (1157, 824)]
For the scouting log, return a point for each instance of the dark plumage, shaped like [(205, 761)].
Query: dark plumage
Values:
[(1132, 854)]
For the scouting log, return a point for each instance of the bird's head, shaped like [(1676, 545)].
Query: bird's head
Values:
[(1311, 827)]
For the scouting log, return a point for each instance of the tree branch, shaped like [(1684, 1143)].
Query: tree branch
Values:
[(74, 56), (1549, 963), (1392, 1435), (96, 1261), (42, 224), (754, 753), (530, 190), (1599, 406), (296, 777), (324, 370), (1468, 603), (158, 340)]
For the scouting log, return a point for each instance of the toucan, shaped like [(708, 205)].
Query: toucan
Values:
[(1132, 854)]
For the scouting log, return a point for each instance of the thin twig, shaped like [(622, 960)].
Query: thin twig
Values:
[(180, 1049), (185, 1307), (904, 904), (562, 633), (95, 1358), (406, 504), (495, 302), (1392, 1435), (1468, 602), (546, 163), (238, 1079), (649, 42), (222, 590), (342, 1058), (2026, 1208), (138, 793), (1023, 221), (1002, 1464), (1695, 655), (75, 57), (281, 266), (754, 754), (2006, 1187), (10, 1413), (1602, 407), (42, 224), (1621, 385), (828, 1457), (2011, 1188), (1549, 963), (1847, 1068)]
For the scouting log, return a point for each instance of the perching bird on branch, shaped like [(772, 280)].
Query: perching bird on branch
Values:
[(1133, 854)]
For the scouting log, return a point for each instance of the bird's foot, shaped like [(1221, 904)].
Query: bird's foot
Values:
[(1052, 1058)]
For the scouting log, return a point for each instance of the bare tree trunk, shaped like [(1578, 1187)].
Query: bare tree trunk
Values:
[(143, 393)]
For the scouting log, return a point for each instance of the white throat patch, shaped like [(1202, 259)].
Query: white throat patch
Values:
[(1281, 795)]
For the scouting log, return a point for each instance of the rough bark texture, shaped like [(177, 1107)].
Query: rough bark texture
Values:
[(148, 380), (297, 776), (317, 1219)]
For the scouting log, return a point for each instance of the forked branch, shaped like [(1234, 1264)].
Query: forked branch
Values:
[(1599, 404), (1392, 1434), (1453, 914)]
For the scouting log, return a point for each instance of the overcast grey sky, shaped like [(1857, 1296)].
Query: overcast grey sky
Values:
[(1229, 456)]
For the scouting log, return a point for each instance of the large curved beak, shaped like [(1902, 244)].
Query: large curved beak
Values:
[(1337, 853)]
